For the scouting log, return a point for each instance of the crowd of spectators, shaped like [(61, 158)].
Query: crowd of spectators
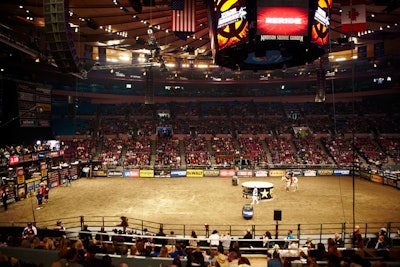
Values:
[(218, 133), (341, 150), (196, 151), (281, 149), (137, 151), (222, 250)]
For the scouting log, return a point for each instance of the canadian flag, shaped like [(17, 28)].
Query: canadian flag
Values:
[(353, 16)]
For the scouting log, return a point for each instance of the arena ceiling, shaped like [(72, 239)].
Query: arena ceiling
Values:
[(116, 25)]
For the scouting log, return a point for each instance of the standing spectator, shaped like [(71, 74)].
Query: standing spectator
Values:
[(4, 197), (39, 199), (102, 235), (356, 238), (226, 241), (172, 240), (288, 238), (161, 241), (193, 240), (86, 171), (69, 178), (213, 239), (45, 192), (124, 223), (247, 236), (29, 231), (339, 241), (59, 226), (266, 240)]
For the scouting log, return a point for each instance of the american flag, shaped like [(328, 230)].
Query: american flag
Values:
[(183, 15)]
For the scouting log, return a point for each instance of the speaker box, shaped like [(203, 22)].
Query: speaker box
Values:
[(277, 215), (59, 36), (149, 97)]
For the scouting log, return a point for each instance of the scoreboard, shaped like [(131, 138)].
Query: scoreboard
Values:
[(268, 34)]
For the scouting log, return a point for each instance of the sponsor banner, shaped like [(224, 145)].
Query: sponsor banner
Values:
[(261, 173), (178, 173), (27, 158), (32, 180), (14, 159), (211, 173), (275, 173), (131, 173), (341, 172), (325, 172), (310, 173), (100, 173), (21, 191), (226, 173), (391, 181), (296, 172), (244, 173), (27, 122), (147, 173), (194, 173), (377, 178), (115, 173), (162, 173)]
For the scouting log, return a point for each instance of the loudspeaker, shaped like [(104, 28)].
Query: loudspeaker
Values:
[(149, 97), (277, 215), (321, 83), (59, 36)]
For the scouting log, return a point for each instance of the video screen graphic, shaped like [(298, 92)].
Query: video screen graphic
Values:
[(231, 22), (321, 23), (288, 18)]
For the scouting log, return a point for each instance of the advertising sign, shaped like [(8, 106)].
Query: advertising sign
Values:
[(194, 173), (147, 173), (131, 173)]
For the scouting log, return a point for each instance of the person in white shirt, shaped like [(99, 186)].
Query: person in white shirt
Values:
[(226, 241), (255, 196), (214, 239), (29, 231)]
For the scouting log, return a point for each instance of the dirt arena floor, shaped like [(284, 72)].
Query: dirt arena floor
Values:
[(214, 201)]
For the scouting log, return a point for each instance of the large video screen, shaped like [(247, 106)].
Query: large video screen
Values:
[(277, 18), (231, 22), (321, 23)]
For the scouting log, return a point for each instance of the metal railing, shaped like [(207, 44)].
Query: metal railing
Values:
[(319, 232)]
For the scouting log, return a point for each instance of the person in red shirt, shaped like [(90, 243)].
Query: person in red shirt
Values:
[(45, 192)]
